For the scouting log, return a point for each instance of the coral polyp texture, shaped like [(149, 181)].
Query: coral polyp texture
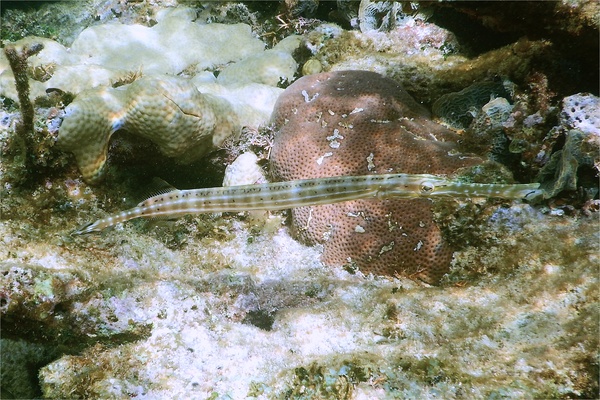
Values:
[(358, 123), (184, 123)]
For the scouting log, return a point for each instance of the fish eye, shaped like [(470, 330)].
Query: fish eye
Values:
[(427, 187)]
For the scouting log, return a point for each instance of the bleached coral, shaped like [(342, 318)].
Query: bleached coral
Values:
[(174, 44), (271, 67)]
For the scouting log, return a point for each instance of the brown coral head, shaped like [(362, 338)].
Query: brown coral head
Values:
[(356, 123)]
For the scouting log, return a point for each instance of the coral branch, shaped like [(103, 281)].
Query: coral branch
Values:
[(21, 146), (18, 64)]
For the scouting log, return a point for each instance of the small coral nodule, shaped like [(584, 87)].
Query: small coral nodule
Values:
[(169, 111)]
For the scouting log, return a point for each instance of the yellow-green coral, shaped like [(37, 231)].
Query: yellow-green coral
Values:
[(169, 111)]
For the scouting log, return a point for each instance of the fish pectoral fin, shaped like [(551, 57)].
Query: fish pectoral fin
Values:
[(157, 187)]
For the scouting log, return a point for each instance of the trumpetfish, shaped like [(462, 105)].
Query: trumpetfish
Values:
[(308, 192)]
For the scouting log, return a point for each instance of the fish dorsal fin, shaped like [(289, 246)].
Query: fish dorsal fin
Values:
[(156, 187)]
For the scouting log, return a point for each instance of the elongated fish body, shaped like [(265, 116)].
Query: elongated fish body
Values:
[(307, 192)]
